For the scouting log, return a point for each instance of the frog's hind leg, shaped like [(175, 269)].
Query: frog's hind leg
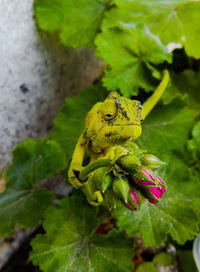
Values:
[(76, 163)]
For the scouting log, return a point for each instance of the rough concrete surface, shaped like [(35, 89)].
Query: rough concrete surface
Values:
[(36, 74)]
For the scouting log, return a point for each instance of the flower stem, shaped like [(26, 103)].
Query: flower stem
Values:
[(93, 166)]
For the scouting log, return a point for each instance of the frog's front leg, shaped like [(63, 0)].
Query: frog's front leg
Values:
[(95, 198), (98, 179), (76, 163)]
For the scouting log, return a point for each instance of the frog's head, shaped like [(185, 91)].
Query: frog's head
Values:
[(119, 119)]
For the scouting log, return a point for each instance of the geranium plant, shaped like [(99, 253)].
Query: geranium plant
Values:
[(136, 40)]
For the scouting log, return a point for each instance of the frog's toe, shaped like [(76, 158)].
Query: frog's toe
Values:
[(75, 182), (99, 197), (93, 203)]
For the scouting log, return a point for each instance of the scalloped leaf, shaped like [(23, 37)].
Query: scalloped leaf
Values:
[(186, 86), (71, 245), (70, 121), (77, 22), (22, 203), (23, 208), (129, 52), (165, 133), (169, 20)]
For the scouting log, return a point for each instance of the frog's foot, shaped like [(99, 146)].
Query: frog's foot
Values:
[(97, 199), (75, 183), (73, 176)]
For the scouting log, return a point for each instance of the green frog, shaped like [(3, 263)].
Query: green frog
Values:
[(112, 122)]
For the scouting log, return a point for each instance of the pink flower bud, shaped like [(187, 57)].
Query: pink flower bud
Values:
[(152, 186), (132, 202)]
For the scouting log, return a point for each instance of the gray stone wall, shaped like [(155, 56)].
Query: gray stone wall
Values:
[(36, 74)]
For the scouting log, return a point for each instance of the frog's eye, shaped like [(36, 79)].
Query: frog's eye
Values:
[(109, 110), (109, 116)]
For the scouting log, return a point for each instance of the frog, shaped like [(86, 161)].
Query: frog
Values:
[(113, 122)]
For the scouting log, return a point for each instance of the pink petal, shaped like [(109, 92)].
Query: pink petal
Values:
[(134, 196), (156, 192), (130, 206), (153, 201), (163, 189), (144, 182), (147, 173), (160, 180)]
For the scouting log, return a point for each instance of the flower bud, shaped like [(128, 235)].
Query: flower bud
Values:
[(144, 176), (161, 184), (157, 191), (152, 186), (129, 163), (102, 179), (132, 202), (120, 151), (134, 149), (109, 200), (121, 188), (106, 182), (131, 146), (151, 161)]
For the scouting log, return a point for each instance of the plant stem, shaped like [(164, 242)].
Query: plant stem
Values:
[(93, 166)]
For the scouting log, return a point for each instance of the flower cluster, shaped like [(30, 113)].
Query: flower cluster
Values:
[(127, 174)]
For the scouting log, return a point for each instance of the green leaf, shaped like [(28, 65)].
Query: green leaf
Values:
[(129, 52), (147, 266), (196, 138), (186, 86), (23, 208), (193, 146), (33, 161), (77, 21), (71, 245), (70, 121), (170, 20), (23, 204), (163, 258), (186, 261), (165, 133), (196, 135), (167, 129)]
